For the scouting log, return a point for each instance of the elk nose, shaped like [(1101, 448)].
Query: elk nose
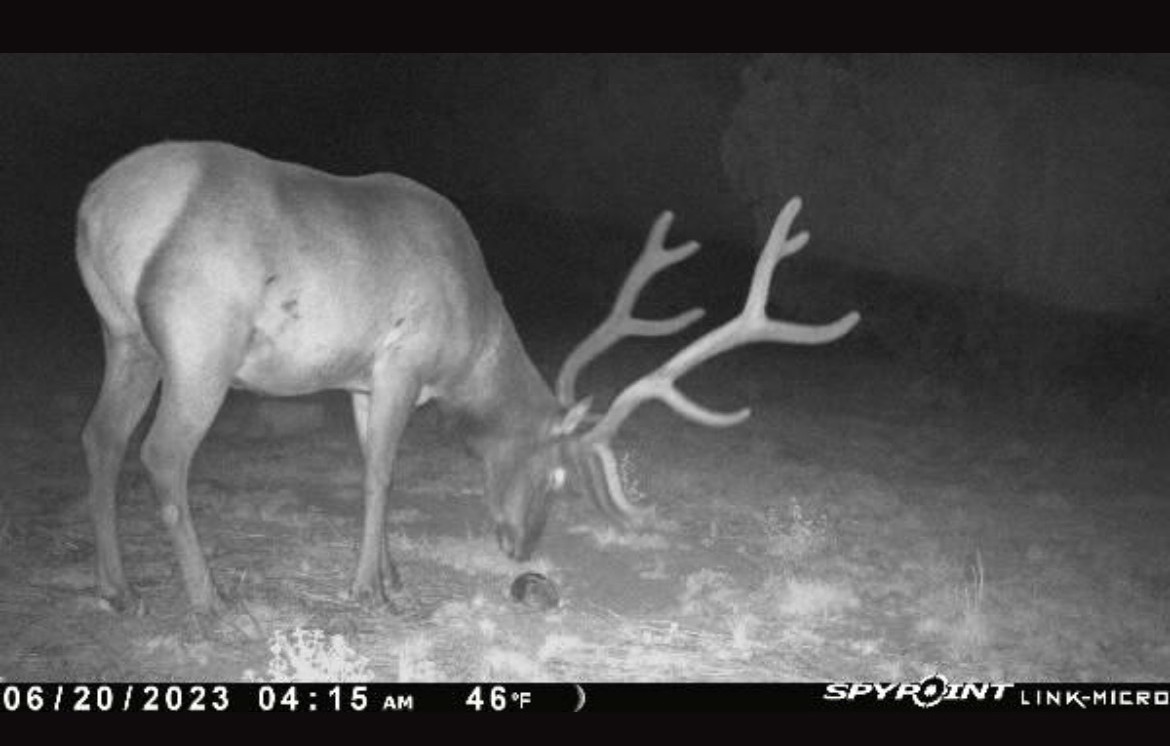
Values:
[(510, 544)]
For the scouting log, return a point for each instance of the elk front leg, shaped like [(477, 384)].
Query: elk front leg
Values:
[(385, 413), (131, 375), (361, 421)]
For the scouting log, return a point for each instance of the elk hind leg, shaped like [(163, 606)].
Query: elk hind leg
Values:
[(195, 383), (131, 376)]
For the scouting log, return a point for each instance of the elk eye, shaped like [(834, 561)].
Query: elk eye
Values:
[(556, 478)]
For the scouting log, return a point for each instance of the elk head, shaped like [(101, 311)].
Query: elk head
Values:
[(575, 447)]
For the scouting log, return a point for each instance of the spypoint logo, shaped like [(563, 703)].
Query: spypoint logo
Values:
[(926, 693)]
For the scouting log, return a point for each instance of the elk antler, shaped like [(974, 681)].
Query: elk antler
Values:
[(621, 323), (751, 325)]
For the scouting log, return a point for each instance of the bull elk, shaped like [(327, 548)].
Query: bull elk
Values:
[(213, 267)]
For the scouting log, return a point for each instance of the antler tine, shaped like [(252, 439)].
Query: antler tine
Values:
[(620, 323), (751, 325)]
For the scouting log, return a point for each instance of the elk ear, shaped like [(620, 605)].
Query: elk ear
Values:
[(573, 418)]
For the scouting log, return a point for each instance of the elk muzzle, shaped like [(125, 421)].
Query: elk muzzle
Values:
[(517, 543), (508, 540)]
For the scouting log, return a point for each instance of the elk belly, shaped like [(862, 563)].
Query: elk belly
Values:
[(290, 365)]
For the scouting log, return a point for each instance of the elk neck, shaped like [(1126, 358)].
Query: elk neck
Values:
[(505, 407)]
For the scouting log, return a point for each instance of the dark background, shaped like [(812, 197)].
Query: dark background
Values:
[(998, 218)]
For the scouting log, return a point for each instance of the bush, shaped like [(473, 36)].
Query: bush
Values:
[(970, 172), (1022, 192)]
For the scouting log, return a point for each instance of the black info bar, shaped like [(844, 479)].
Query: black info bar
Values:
[(930, 693)]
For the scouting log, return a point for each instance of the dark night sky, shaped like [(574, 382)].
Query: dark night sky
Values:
[(310, 106)]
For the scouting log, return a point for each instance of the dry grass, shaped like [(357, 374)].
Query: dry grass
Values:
[(311, 655), (470, 555)]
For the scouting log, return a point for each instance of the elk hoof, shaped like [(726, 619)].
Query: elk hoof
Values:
[(535, 591), (123, 603), (369, 596)]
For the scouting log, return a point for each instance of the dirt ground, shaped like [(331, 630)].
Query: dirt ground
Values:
[(853, 528)]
